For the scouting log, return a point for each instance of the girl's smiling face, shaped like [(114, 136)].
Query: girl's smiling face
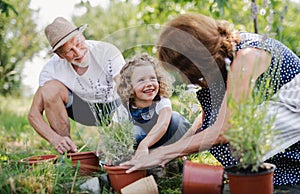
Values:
[(145, 85)]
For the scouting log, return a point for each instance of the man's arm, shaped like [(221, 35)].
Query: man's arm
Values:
[(35, 118)]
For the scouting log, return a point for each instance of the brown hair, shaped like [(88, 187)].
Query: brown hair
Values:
[(124, 87), (196, 45)]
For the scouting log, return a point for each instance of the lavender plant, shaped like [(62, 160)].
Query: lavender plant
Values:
[(251, 130)]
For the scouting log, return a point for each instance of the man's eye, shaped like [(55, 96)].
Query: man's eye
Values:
[(80, 43)]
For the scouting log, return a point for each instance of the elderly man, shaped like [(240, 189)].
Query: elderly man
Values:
[(81, 72)]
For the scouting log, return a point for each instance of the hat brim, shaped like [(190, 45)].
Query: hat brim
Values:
[(68, 37)]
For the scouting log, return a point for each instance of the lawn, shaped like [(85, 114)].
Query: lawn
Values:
[(18, 140)]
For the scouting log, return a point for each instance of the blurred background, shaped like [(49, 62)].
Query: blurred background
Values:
[(132, 25)]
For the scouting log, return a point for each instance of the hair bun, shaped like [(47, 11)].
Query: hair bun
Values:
[(223, 27)]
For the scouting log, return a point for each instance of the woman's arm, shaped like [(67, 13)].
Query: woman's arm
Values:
[(185, 146), (197, 124)]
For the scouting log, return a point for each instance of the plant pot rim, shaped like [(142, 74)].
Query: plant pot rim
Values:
[(39, 158), (233, 170), (115, 167), (81, 153)]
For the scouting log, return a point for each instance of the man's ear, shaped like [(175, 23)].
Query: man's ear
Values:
[(60, 55)]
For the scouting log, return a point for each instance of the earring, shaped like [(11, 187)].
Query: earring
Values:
[(227, 63)]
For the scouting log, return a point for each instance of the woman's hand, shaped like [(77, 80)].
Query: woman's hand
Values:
[(155, 158), (140, 153)]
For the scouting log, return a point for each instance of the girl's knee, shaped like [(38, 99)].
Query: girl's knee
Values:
[(178, 121)]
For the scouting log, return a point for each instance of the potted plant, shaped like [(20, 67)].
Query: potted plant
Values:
[(117, 146), (250, 137)]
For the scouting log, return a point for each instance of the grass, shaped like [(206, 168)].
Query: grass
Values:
[(18, 140)]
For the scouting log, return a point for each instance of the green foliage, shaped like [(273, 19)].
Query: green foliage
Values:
[(134, 28), (250, 134), (117, 142), (19, 177), (290, 26), (14, 127), (19, 40), (274, 17), (6, 7), (170, 185), (18, 140), (187, 103), (204, 157), (117, 24)]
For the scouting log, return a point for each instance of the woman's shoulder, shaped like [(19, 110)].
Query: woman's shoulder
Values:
[(247, 52), (250, 53), (248, 59)]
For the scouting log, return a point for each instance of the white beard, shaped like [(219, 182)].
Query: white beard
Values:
[(85, 61)]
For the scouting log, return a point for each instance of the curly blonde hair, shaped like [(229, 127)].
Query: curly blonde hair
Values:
[(193, 43), (124, 86)]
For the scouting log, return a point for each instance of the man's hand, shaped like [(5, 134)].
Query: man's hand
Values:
[(64, 144)]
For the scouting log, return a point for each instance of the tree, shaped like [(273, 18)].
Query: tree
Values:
[(279, 19), (118, 24), (19, 40), (6, 7)]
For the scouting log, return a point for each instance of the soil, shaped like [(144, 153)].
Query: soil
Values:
[(237, 170)]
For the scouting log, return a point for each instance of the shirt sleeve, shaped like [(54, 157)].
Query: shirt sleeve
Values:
[(163, 103), (47, 72)]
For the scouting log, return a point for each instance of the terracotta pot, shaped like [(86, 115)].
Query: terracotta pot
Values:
[(254, 182), (119, 178), (89, 162), (202, 178), (41, 159)]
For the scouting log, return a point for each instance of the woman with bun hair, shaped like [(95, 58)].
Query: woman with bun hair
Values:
[(225, 62)]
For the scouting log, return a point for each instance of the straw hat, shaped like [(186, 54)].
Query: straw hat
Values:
[(60, 31)]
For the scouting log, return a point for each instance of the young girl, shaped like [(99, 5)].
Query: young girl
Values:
[(144, 89)]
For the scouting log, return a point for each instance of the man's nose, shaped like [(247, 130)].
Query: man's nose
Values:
[(76, 51)]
